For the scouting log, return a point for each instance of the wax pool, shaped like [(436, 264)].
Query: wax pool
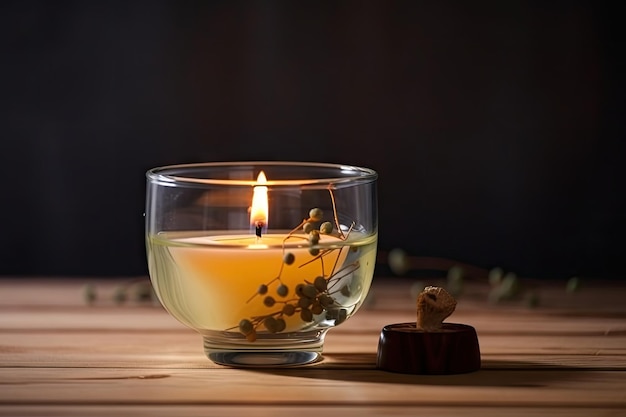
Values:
[(210, 282)]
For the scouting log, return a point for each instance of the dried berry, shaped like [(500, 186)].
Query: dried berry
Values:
[(89, 293), (306, 315), (282, 290), (309, 291), (119, 295), (289, 258), (320, 284), (299, 289), (316, 308), (316, 214), (326, 300), (280, 325), (288, 310), (326, 228), (270, 324), (304, 302), (314, 237), (246, 327)]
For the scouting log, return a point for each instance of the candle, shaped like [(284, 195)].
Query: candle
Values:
[(214, 280), (261, 288), (224, 273)]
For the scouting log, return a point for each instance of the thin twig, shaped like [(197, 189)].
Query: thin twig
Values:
[(332, 199)]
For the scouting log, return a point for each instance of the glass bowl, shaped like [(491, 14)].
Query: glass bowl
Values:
[(261, 258)]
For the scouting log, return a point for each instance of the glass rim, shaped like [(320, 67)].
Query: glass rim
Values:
[(164, 175)]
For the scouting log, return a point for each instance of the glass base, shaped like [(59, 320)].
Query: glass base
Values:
[(268, 351), (264, 359)]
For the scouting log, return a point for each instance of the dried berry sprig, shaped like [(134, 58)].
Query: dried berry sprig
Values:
[(137, 289), (313, 237), (311, 298)]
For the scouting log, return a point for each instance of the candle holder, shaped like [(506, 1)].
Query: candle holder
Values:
[(429, 346), (261, 258)]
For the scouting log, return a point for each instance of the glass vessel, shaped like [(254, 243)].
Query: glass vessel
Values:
[(261, 258)]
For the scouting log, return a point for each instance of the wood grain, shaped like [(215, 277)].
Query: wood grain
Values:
[(199, 410), (61, 357)]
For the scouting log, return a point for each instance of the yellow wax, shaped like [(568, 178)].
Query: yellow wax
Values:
[(220, 275)]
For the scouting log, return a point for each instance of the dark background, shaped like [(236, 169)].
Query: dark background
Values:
[(496, 127)]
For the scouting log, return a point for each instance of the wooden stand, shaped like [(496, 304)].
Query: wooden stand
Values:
[(405, 349)]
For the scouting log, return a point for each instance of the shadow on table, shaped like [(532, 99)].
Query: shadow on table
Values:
[(493, 373)]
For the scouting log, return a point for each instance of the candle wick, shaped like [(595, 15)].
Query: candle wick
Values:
[(259, 227)]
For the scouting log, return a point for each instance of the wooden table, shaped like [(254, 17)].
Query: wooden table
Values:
[(566, 357)]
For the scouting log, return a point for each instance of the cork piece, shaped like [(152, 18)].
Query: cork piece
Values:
[(434, 305)]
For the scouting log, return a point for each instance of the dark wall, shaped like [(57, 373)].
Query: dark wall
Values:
[(496, 127)]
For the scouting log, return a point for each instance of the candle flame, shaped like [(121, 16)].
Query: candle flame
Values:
[(259, 212)]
